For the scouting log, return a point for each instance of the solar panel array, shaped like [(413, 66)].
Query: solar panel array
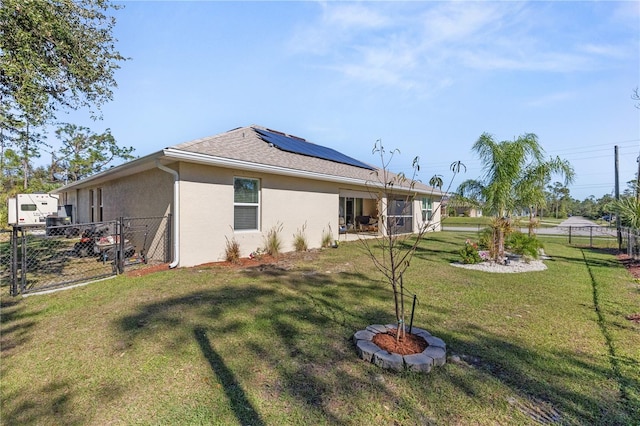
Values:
[(300, 146)]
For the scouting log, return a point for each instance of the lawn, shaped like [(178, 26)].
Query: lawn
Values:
[(271, 345), (484, 221)]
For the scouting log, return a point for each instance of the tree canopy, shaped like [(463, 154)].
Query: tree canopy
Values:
[(54, 54), (84, 152), (515, 174)]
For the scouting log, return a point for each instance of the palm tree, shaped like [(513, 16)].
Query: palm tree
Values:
[(514, 176)]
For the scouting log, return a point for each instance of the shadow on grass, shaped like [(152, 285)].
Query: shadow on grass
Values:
[(301, 324), (241, 406), (540, 380), (15, 326)]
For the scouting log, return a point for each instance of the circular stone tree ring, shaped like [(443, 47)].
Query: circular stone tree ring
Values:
[(434, 355)]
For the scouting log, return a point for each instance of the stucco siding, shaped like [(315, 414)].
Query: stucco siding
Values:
[(297, 203), (146, 194), (207, 212)]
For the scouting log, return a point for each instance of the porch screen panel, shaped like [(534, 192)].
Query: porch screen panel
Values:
[(246, 203), (400, 216)]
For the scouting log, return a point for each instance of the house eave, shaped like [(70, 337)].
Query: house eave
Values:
[(169, 155), (192, 157)]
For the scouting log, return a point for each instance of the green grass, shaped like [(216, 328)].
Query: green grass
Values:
[(272, 345), (484, 221)]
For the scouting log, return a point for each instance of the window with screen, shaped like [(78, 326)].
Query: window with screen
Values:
[(400, 216), (427, 209), (246, 204)]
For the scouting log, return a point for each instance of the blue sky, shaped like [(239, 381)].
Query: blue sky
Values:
[(427, 78)]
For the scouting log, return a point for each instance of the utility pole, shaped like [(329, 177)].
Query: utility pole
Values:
[(617, 198)]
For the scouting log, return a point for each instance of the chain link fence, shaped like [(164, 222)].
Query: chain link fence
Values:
[(35, 259)]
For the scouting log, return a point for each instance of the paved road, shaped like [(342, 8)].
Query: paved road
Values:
[(577, 224)]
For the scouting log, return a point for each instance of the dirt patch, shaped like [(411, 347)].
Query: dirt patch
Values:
[(409, 345), (632, 265), (634, 317), (263, 262)]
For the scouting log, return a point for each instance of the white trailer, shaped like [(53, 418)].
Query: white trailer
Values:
[(32, 209)]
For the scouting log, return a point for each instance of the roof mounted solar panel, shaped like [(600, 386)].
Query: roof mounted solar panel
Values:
[(300, 146)]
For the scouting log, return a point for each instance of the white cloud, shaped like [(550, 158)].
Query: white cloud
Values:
[(408, 45)]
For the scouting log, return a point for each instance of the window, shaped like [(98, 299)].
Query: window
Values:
[(427, 209), (92, 206), (400, 216), (28, 207), (246, 203), (100, 205)]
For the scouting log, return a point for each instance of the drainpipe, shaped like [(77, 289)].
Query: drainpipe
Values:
[(176, 213)]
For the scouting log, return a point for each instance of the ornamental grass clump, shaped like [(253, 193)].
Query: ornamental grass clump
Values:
[(273, 242), (232, 250), (300, 239)]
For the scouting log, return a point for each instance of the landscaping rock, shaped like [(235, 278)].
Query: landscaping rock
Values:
[(363, 335), (377, 328), (366, 349), (388, 361), (419, 331), (434, 355), (435, 341), (418, 362), (438, 354)]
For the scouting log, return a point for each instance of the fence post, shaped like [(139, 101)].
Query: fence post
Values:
[(591, 237), (569, 234), (14, 261), (119, 258), (23, 265)]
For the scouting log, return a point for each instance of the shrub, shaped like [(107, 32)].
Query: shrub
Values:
[(485, 238), (300, 240), (273, 244), (327, 238), (469, 253), (524, 245), (232, 250)]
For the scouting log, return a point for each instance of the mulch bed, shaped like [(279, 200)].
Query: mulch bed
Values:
[(409, 345)]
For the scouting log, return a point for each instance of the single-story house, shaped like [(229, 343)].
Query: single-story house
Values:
[(242, 183)]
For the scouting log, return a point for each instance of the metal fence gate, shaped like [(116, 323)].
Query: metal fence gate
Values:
[(37, 259)]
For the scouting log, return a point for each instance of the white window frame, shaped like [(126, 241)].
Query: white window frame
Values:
[(244, 204), (426, 206), (92, 206), (100, 204), (406, 217)]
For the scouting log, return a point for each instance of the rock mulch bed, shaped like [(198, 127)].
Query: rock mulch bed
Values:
[(512, 268), (434, 355)]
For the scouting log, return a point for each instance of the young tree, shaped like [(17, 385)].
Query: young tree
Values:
[(514, 176), (392, 253), (84, 152)]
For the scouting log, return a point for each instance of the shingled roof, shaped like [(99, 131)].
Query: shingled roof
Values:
[(247, 148), (247, 144)]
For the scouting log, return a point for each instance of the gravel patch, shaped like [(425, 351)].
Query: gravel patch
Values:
[(512, 268)]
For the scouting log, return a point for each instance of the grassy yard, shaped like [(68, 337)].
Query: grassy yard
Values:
[(271, 345), (484, 221)]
